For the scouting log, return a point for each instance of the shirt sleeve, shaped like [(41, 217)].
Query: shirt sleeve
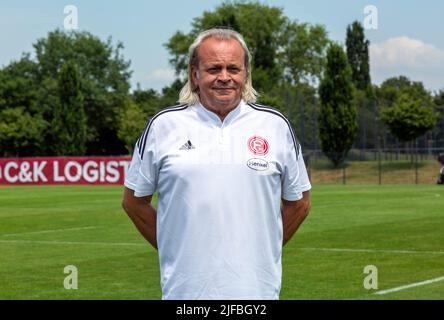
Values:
[(295, 178), (133, 170), (147, 173)]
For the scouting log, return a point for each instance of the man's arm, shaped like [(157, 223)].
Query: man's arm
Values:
[(142, 214), (293, 214)]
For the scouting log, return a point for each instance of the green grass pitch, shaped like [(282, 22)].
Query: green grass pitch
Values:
[(398, 229)]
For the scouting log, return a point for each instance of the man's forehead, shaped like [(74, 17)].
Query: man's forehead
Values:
[(214, 49), (217, 40)]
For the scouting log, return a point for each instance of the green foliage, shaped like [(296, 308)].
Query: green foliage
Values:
[(408, 118), (304, 52), (147, 100), (337, 117), (272, 101), (358, 57), (438, 100), (170, 94), (19, 86), (104, 85), (390, 90), (131, 123), (405, 107), (20, 133), (69, 122), (104, 74)]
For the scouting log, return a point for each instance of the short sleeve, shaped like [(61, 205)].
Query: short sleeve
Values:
[(133, 170), (295, 178), (147, 174)]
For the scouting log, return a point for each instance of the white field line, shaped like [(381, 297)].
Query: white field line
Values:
[(374, 250), (74, 243), (416, 284), (46, 231), (143, 245)]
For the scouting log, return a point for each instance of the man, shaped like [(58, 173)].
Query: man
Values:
[(221, 165)]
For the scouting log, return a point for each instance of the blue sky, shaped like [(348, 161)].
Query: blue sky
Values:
[(409, 39)]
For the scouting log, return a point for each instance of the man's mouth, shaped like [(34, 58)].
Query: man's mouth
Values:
[(223, 88)]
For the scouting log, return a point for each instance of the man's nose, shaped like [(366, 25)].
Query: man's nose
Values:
[(224, 75)]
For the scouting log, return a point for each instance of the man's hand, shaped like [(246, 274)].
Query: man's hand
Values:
[(142, 214), (293, 214)]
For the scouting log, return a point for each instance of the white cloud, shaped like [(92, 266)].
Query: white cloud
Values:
[(414, 58), (405, 52)]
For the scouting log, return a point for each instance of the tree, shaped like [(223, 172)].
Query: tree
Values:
[(389, 93), (20, 133), (31, 84), (358, 57), (390, 90), (104, 85), (22, 128), (337, 117), (69, 122), (305, 50), (408, 118)]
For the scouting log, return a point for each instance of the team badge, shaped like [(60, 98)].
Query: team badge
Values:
[(258, 145)]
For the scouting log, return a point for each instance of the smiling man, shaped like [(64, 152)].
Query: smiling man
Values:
[(231, 181), (218, 71)]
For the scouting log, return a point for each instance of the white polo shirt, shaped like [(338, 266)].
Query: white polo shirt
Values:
[(220, 184)]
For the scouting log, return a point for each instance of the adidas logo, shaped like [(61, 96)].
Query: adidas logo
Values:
[(187, 146)]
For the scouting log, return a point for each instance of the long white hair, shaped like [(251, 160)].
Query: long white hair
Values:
[(189, 93)]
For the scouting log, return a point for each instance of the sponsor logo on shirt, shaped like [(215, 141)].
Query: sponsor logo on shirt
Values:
[(257, 164), (187, 146), (258, 145)]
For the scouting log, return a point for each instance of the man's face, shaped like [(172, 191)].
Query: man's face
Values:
[(221, 73)]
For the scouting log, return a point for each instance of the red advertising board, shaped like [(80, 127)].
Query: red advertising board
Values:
[(64, 170)]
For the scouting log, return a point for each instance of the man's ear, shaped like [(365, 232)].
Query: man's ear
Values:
[(194, 76)]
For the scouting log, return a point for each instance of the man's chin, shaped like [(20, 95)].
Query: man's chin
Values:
[(221, 101), (228, 101)]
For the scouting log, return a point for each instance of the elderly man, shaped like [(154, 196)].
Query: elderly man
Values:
[(231, 181)]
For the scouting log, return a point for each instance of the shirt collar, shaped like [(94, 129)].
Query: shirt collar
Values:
[(212, 117)]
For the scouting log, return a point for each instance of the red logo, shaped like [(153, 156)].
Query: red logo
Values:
[(258, 145)]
